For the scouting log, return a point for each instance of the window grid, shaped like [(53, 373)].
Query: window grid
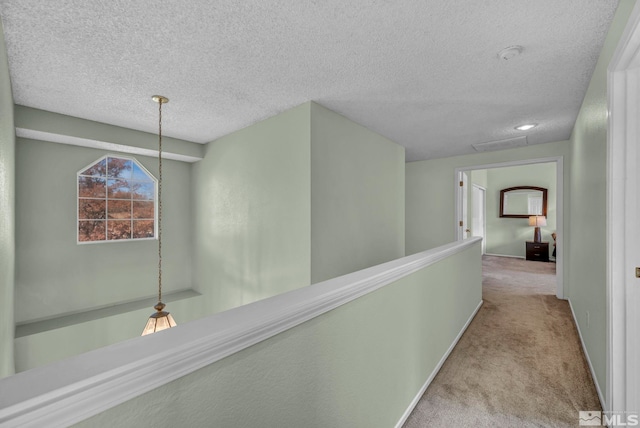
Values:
[(97, 182)]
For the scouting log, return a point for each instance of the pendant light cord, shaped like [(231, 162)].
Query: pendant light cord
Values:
[(160, 201)]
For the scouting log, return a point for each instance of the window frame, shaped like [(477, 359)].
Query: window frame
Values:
[(155, 201)]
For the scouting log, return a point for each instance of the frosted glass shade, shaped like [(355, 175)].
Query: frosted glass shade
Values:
[(161, 320), (537, 220)]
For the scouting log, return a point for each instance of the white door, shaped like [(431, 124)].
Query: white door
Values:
[(478, 210), (464, 230)]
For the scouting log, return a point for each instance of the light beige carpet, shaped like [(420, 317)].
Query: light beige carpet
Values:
[(520, 362)]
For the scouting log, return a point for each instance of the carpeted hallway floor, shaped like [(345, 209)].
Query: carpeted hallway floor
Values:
[(520, 362)]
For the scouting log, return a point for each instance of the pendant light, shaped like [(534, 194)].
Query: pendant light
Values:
[(161, 319)]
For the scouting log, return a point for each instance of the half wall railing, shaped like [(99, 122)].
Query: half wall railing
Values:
[(357, 350)]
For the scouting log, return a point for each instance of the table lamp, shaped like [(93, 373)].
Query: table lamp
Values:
[(537, 221)]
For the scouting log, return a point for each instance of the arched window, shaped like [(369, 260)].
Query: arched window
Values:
[(116, 201)]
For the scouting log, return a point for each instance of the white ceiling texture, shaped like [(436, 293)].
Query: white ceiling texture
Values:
[(424, 73)]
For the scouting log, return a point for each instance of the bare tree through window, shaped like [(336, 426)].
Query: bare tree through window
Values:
[(116, 201)]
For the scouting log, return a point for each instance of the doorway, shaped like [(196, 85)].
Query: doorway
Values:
[(513, 239)]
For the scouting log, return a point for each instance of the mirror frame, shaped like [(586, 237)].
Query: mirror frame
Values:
[(544, 201)]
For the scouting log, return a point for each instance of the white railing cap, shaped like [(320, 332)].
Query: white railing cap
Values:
[(74, 389)]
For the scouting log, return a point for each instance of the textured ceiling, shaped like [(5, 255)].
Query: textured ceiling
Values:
[(425, 74)]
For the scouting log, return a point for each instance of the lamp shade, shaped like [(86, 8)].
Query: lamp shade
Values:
[(537, 220), (161, 320)]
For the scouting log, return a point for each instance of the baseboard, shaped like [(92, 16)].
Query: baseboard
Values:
[(586, 354), (504, 255), (435, 371)]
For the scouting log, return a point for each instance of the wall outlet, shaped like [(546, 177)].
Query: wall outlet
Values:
[(588, 320)]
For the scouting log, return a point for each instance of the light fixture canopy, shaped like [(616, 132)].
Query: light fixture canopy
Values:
[(526, 127), (160, 99), (160, 320)]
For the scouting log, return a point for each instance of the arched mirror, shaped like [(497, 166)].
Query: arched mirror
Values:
[(523, 201)]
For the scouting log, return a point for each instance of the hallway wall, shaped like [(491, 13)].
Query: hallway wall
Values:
[(7, 214), (430, 201), (588, 199)]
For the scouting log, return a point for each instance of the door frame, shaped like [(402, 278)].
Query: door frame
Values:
[(484, 214), (560, 248), (463, 199), (623, 288)]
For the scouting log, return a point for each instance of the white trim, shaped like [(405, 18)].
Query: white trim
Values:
[(461, 199), (560, 248), (623, 135), (484, 215), (458, 235), (435, 371), (586, 354), (77, 388), (519, 162)]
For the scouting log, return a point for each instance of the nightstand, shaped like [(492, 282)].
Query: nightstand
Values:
[(538, 251)]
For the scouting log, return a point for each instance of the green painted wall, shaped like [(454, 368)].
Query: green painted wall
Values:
[(588, 197), (431, 187), (359, 365), (237, 226), (507, 236), (7, 214), (35, 350), (357, 196), (301, 197), (252, 212), (430, 195), (55, 276)]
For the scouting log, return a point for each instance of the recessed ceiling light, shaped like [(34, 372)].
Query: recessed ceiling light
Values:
[(526, 127)]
